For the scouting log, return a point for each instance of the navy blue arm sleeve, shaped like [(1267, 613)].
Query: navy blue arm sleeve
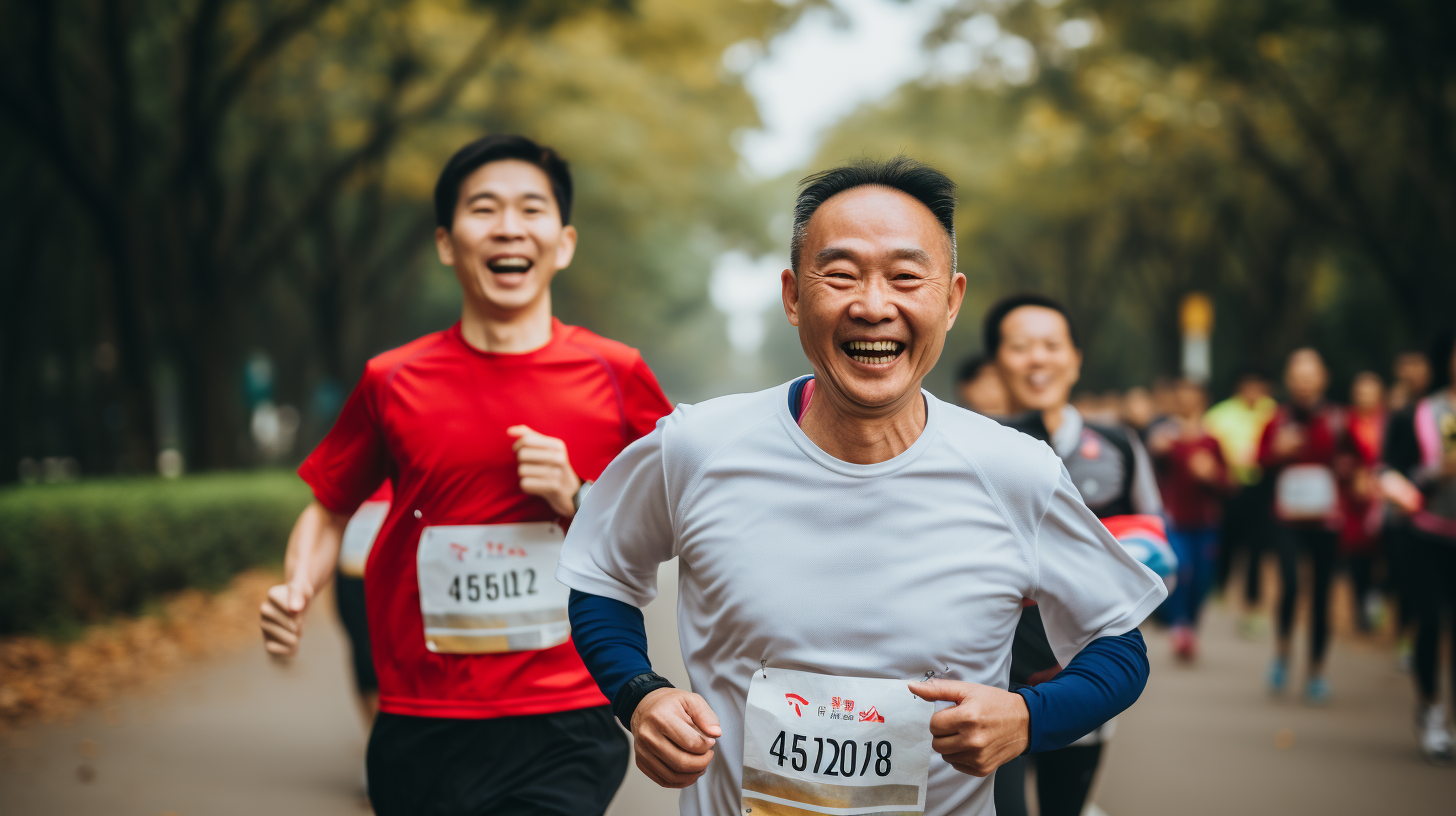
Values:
[(1100, 682), (611, 639)]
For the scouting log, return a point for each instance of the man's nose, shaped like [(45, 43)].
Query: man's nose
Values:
[(509, 225), (874, 303)]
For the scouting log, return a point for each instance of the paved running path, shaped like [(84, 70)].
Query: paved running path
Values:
[(241, 736)]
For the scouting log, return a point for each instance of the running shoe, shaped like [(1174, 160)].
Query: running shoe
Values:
[(1278, 675), (1435, 738), (1185, 643), (1316, 691)]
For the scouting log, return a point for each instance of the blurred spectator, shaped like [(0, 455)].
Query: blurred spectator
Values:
[(980, 388), (1298, 449), (1421, 452), (1165, 398), (1137, 410), (1412, 372), (1194, 480), (1361, 510), (1237, 423)]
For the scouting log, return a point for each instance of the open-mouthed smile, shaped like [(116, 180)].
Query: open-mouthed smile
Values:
[(506, 264), (873, 352)]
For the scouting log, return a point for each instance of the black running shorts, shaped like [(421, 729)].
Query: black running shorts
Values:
[(565, 764)]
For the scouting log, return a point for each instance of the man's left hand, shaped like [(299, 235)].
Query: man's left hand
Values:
[(544, 469), (987, 727)]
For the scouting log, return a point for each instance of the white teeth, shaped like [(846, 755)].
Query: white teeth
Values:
[(874, 345)]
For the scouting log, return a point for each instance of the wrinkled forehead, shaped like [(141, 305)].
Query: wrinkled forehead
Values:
[(872, 222)]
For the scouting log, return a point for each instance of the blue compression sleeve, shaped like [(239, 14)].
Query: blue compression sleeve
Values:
[(1100, 682), (611, 639)]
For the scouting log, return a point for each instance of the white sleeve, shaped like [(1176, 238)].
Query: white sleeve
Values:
[(623, 529), (1087, 585)]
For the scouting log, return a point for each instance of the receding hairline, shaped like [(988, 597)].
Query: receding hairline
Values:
[(832, 253)]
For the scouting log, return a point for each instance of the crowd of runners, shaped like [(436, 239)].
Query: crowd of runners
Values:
[(1362, 487), (886, 602)]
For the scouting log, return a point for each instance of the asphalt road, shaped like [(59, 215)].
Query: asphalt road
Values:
[(241, 736)]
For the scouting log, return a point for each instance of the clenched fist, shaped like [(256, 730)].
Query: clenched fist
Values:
[(282, 617), (985, 729), (673, 734), (544, 469)]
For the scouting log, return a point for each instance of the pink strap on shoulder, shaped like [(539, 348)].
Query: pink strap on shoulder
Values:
[(1428, 436)]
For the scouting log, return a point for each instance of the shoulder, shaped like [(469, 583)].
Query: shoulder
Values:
[(1002, 451), (382, 366), (694, 433), (618, 356)]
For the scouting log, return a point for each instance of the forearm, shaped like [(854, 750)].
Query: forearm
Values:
[(313, 546), (611, 638), (1099, 683)]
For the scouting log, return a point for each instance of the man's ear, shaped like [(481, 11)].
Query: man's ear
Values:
[(1077, 366), (444, 247), (566, 247), (957, 297), (790, 283)]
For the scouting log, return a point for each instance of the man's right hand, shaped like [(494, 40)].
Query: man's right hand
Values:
[(673, 733), (282, 617)]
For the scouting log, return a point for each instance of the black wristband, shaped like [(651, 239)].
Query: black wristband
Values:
[(632, 692)]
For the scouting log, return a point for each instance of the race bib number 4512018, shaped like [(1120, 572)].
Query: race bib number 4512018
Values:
[(492, 588), (842, 745)]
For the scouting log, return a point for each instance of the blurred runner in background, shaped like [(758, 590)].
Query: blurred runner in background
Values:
[(1411, 379), (1137, 410), (490, 431), (1361, 507), (359, 535), (979, 386), (1422, 451), (1298, 450), (1194, 480), (1035, 347), (1238, 423)]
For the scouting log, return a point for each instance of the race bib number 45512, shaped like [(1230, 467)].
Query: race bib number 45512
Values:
[(492, 588), (842, 745)]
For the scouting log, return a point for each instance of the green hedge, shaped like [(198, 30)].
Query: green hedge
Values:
[(78, 553)]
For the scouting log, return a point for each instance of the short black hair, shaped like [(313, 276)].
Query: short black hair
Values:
[(991, 325), (920, 181), (971, 368), (500, 147)]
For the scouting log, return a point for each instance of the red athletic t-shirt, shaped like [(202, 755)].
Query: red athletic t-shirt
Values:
[(432, 416)]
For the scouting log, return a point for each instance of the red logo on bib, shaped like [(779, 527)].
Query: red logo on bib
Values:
[(795, 701), (871, 715)]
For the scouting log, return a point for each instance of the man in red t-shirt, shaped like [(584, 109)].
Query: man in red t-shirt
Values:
[(489, 431)]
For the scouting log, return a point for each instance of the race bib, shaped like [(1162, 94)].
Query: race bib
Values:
[(1305, 493), (492, 588), (821, 744), (359, 537)]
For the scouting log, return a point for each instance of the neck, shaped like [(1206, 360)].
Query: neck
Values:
[(1051, 418), (850, 433), (501, 331)]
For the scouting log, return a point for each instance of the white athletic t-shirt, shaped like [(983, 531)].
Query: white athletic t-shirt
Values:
[(790, 556)]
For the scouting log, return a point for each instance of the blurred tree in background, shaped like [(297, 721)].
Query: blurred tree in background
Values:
[(1293, 158), (195, 183)]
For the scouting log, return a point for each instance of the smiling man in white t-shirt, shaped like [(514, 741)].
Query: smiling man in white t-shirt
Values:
[(844, 536)]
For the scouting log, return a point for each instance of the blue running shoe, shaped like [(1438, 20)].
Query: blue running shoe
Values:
[(1278, 674), (1316, 691)]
